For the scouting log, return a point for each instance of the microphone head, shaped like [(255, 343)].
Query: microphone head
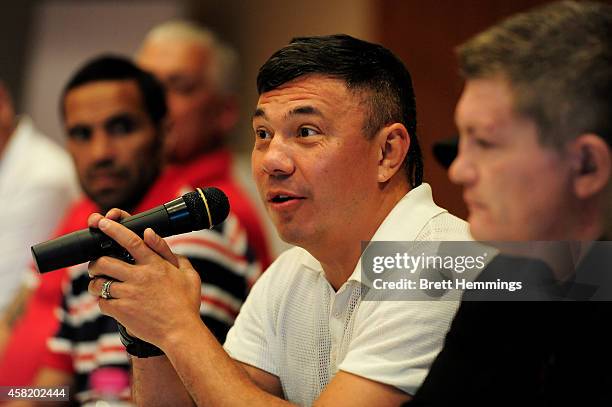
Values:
[(208, 207)]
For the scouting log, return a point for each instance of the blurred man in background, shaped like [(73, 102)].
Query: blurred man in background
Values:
[(114, 116), (200, 74)]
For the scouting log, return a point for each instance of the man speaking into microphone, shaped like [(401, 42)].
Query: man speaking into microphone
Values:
[(114, 115), (337, 162)]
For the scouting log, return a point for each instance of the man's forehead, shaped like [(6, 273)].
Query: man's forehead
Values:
[(308, 82), (121, 89), (168, 56), (103, 97), (485, 102), (312, 94)]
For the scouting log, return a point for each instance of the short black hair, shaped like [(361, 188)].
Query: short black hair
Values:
[(117, 68), (364, 67)]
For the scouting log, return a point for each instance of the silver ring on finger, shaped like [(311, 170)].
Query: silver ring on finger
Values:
[(105, 293)]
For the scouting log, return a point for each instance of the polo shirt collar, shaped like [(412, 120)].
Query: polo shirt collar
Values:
[(404, 223)]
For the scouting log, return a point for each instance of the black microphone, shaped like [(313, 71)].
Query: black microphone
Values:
[(200, 209)]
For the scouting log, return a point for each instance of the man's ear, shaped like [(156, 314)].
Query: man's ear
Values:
[(592, 159), (393, 144)]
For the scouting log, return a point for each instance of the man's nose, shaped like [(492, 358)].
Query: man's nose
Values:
[(462, 170), (101, 147), (277, 158)]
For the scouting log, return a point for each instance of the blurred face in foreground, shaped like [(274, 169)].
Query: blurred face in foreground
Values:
[(515, 187), (113, 142)]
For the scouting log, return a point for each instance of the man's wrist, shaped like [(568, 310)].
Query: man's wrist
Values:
[(136, 346), (179, 338)]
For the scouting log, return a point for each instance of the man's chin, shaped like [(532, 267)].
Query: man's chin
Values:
[(291, 235), (482, 231), (107, 199)]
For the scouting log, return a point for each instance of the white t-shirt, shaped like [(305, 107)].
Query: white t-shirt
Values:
[(295, 326), (37, 184)]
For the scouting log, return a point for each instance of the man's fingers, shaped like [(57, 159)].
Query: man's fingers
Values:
[(184, 262), (93, 219), (110, 267), (159, 245), (114, 214), (115, 289), (117, 214), (126, 238)]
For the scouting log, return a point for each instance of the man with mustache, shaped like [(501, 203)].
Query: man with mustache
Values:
[(114, 115)]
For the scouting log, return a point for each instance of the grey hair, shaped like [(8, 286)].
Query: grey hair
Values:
[(223, 71)]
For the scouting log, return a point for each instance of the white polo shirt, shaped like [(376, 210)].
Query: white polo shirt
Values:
[(295, 326)]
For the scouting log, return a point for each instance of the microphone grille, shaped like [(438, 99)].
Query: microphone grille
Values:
[(207, 211)]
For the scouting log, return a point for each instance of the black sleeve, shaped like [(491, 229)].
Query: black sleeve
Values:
[(492, 356), (495, 351)]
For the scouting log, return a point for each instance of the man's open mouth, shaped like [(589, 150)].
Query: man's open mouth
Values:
[(281, 198)]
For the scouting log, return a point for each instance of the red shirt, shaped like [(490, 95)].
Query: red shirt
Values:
[(27, 344)]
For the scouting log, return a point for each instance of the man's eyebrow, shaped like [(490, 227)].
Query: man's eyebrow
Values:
[(300, 110), (181, 76), (114, 117), (120, 116), (305, 110), (259, 112), (77, 125)]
